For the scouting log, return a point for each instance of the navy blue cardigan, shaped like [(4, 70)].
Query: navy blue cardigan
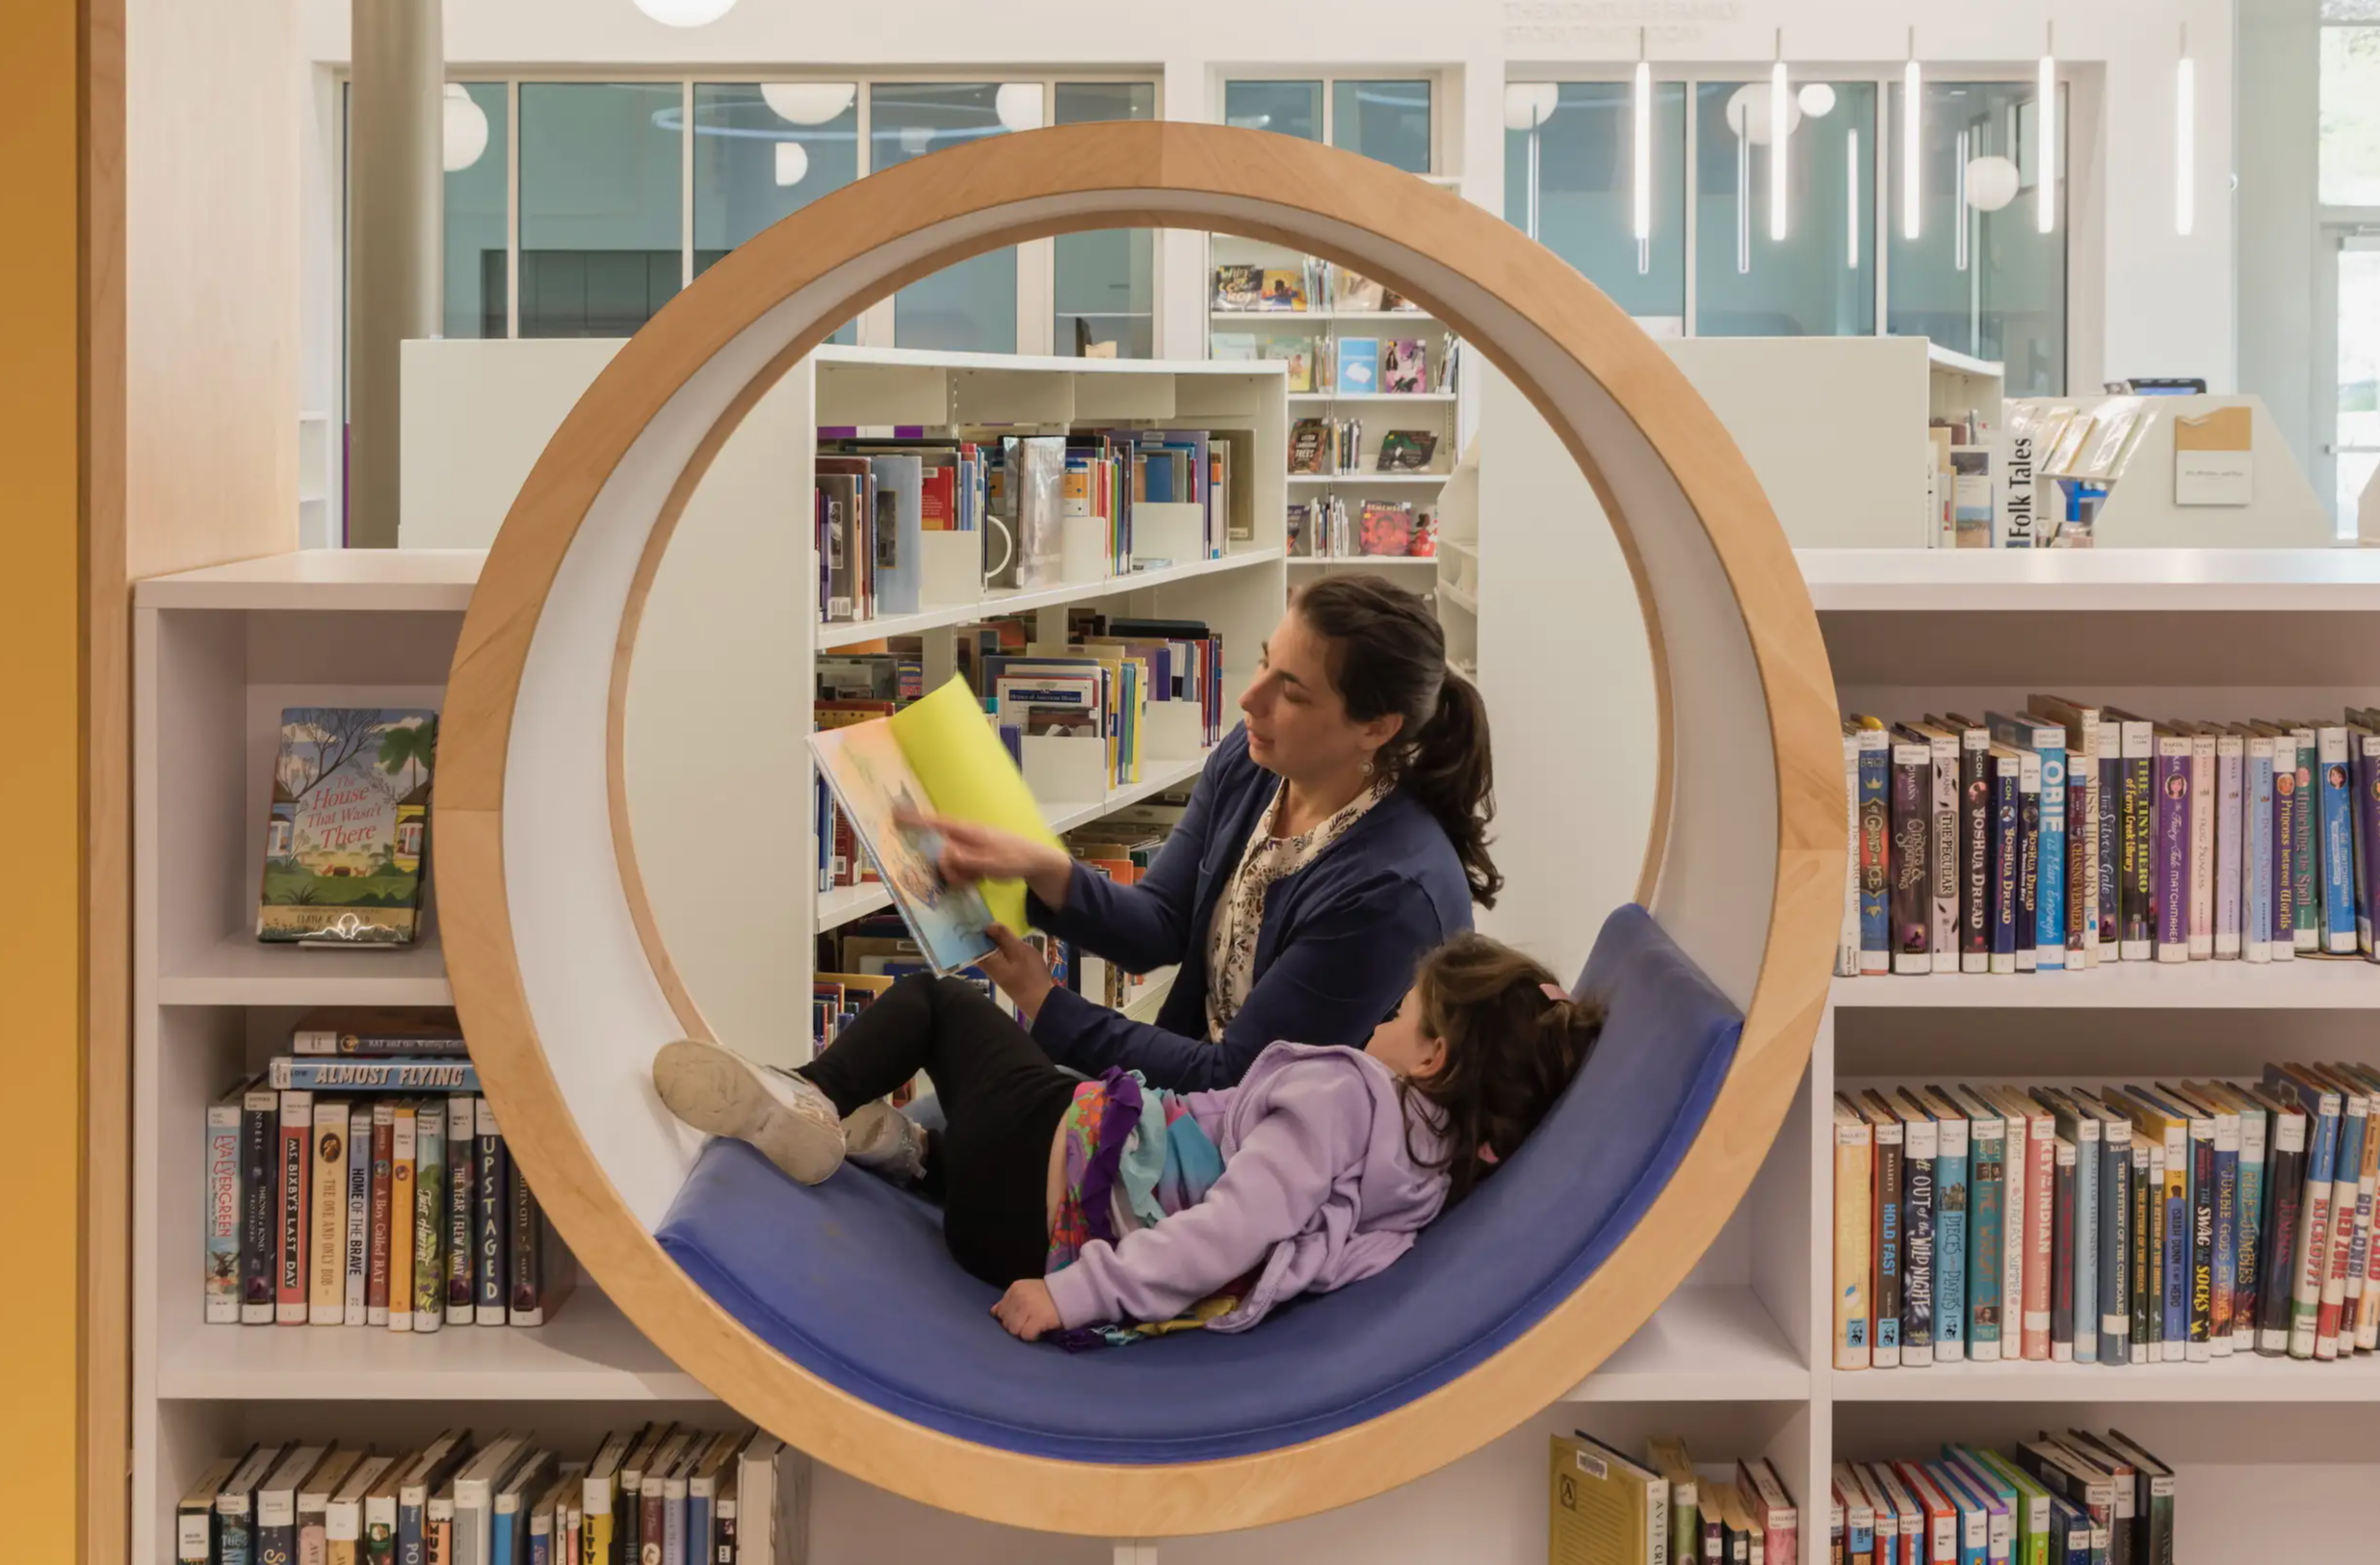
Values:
[(1335, 954)]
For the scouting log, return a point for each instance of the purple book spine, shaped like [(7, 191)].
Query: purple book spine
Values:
[(1912, 871), (2170, 907)]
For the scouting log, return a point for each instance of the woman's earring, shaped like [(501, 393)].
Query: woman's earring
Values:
[(1367, 768)]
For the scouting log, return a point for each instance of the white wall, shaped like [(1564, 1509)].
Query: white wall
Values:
[(2280, 81), (2146, 301)]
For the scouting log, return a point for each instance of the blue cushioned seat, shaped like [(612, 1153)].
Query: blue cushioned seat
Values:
[(851, 1279)]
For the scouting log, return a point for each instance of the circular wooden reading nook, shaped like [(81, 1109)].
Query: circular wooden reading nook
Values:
[(830, 1319)]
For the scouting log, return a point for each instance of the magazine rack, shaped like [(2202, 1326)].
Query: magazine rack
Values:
[(1745, 874)]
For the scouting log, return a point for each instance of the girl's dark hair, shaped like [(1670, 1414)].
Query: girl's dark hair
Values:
[(1387, 653), (1510, 1049)]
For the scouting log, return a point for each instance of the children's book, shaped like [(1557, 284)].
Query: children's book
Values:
[(344, 838), (1407, 451), (1236, 287), (1359, 366), (1297, 354), (938, 756), (1405, 367), (1284, 290)]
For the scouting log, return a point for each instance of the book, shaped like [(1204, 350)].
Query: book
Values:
[(344, 833), (1603, 1506), (313, 1504), (327, 1233), (937, 755), (1874, 846), (429, 1217), (383, 1175), (1771, 1507), (1884, 1289), (1669, 1459), (462, 1209), (1911, 851), (225, 1207), (260, 1203), (1238, 287), (1920, 1154), (1854, 1238), (401, 1170), (1356, 370), (491, 1219), (343, 1518), (1281, 289), (1405, 451), (371, 1032), (2046, 742), (296, 1165), (1951, 1208), (1405, 367), (355, 1305), (277, 1505)]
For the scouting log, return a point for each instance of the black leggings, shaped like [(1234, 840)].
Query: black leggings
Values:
[(1002, 1097)]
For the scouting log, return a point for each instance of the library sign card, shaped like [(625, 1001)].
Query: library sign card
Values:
[(2214, 458)]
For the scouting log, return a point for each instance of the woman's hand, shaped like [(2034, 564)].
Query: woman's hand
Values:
[(1019, 970), (970, 853), (1027, 1309)]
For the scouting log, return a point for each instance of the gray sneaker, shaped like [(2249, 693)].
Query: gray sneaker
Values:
[(885, 1141), (783, 1116)]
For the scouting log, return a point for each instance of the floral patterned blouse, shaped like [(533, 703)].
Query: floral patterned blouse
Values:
[(1240, 913)]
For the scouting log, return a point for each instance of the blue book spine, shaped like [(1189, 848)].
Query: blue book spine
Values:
[(699, 1530), (2337, 794), (1951, 1242), (2049, 893), (412, 1549), (540, 1548), (2178, 1256), (500, 1537), (2005, 846), (1876, 831), (1987, 1167), (2306, 860), (2086, 1248), (1973, 1524), (2115, 1244), (2256, 912), (234, 1540)]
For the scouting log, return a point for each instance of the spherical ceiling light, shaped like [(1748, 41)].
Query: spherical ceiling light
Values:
[(793, 163), (1990, 183), (686, 13), (1747, 113), (1529, 104), (808, 103), (1817, 99), (1018, 105), (465, 129)]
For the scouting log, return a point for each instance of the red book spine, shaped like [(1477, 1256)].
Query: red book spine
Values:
[(383, 1154), (937, 505)]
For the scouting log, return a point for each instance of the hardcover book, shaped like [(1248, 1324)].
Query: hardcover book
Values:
[(1405, 367), (344, 837)]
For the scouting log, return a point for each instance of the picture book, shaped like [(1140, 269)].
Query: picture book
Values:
[(1359, 366), (1383, 529), (1234, 345), (1306, 448), (1283, 290), (1296, 352), (1405, 367), (938, 756), (344, 838), (1236, 287), (1406, 450), (1352, 291)]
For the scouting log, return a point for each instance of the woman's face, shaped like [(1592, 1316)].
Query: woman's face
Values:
[(1297, 724)]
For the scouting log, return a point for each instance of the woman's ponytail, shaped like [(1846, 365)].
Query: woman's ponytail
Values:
[(1449, 770), (1388, 654)]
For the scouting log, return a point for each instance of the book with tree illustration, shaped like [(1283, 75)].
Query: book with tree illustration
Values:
[(938, 756), (344, 836)]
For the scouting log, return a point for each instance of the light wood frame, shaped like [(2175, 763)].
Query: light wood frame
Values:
[(1752, 891)]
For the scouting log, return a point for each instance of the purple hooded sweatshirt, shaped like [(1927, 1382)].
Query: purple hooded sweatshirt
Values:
[(1319, 1186)]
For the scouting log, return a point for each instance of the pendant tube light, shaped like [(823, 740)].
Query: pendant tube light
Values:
[(1912, 112), (1641, 158), (2045, 185), (1850, 199), (2186, 160), (1779, 105)]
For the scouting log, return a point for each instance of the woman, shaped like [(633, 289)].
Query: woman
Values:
[(1339, 832)]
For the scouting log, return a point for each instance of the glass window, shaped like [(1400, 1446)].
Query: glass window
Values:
[(2350, 120), (601, 206), (1285, 107), (1818, 279), (1980, 277), (1575, 174), (765, 153), (1387, 121), (476, 218), (970, 308), (1105, 282)]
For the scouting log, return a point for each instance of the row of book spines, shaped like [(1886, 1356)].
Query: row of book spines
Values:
[(738, 1498), (1679, 1512), (2138, 1225), (2200, 842), (326, 1211), (2080, 1498)]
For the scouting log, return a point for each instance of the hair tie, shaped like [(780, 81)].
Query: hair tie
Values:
[(1553, 992), (1487, 1153)]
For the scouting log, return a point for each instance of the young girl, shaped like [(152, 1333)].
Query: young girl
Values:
[(1108, 1208)]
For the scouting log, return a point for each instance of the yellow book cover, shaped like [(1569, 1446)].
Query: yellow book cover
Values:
[(937, 756), (1854, 1233), (1598, 1512), (401, 1222)]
